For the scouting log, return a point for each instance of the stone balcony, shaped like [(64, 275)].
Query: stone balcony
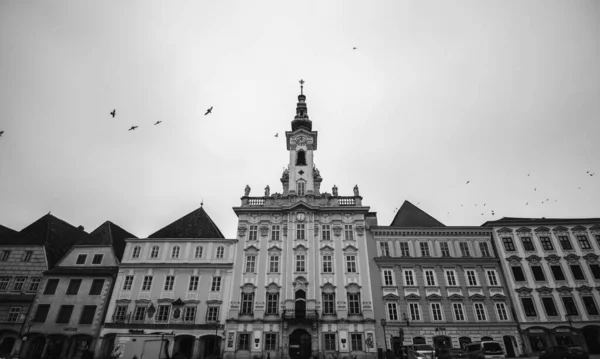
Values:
[(277, 200)]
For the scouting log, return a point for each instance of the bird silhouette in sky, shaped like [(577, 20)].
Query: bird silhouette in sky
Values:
[(527, 204), (113, 113), (591, 174), (157, 122), (277, 134), (528, 174), (354, 48), (132, 128), (535, 189), (468, 182), (208, 111), (1, 133)]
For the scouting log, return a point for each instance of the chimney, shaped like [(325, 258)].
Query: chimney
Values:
[(80, 228)]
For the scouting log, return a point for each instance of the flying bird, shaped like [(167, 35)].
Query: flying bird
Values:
[(468, 182), (535, 189), (132, 128), (354, 48), (157, 122), (528, 174), (113, 113), (527, 203), (1, 133), (591, 174), (277, 134), (208, 111)]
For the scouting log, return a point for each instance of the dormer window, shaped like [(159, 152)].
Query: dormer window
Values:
[(136, 252), (154, 252), (301, 187), (301, 158), (175, 252)]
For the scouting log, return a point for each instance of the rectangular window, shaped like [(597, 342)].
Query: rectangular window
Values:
[(485, 251), (415, 312), (330, 341), (546, 243), (356, 341), (436, 312), (527, 244), (518, 273), (409, 277), (583, 242), (97, 259), (471, 277), (13, 314), (595, 269), (42, 313), (538, 273), (64, 314), (348, 232), (445, 249), (275, 232), (351, 264), (162, 314), (557, 272), (189, 314), (169, 283), (326, 232), (247, 306), (154, 252), (147, 283), (430, 277), (392, 309), (464, 249), (385, 249), (450, 278), (139, 314), (34, 284), (570, 306), (565, 243), (270, 341), (73, 287), (354, 304), (216, 284), (87, 314), (300, 263), (272, 303), (328, 303), (459, 314), (194, 282), (4, 281), (19, 284), (5, 256), (480, 312), (327, 264), (528, 307), (424, 249), (577, 272), (27, 256), (301, 188), (51, 285), (273, 264), (96, 288), (590, 305), (501, 311), (120, 313), (388, 277), (253, 233), (243, 341), (549, 306), (404, 251), (127, 282), (492, 277), (250, 264), (509, 245), (300, 231)]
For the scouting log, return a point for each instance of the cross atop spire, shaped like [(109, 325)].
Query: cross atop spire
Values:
[(301, 86)]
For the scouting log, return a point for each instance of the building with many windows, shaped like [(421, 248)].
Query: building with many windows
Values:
[(301, 281), (553, 278), (170, 292), (438, 285)]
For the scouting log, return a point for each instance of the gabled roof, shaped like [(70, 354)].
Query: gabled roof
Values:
[(196, 224), (56, 235), (410, 215), (8, 236), (110, 234)]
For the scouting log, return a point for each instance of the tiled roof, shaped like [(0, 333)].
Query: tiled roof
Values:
[(507, 221), (196, 224), (410, 215), (8, 236), (109, 233)]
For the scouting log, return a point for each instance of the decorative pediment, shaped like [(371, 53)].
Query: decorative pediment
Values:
[(560, 229), (584, 289), (350, 248), (327, 248), (591, 258), (248, 288), (360, 230), (412, 296), (242, 231), (337, 231), (542, 229), (353, 288), (456, 296), (142, 301), (165, 300), (123, 301), (328, 288), (325, 218), (578, 229), (274, 248), (524, 291), (564, 289), (523, 230), (499, 296), (514, 259), (264, 230), (544, 290), (572, 258), (391, 296), (300, 283), (477, 296), (434, 296), (178, 303), (300, 248), (213, 302), (505, 230), (595, 228), (273, 288), (533, 259), (251, 248), (552, 258)]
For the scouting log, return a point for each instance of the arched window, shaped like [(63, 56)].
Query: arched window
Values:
[(198, 253), (301, 188), (301, 158), (175, 252), (487, 339), (220, 252), (419, 340), (136, 252), (154, 252), (463, 341)]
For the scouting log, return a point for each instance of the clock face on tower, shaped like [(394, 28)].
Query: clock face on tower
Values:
[(300, 217)]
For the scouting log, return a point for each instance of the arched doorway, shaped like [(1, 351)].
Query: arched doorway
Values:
[(442, 341), (592, 339), (55, 346), (419, 340), (184, 346), (508, 344), (80, 345), (300, 344), (108, 344), (211, 345), (463, 341), (300, 304), (6, 346)]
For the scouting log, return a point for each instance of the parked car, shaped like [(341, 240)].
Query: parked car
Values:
[(485, 350), (451, 353), (564, 352), (422, 351)]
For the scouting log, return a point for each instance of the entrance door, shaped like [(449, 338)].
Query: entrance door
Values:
[(397, 346), (508, 344), (300, 304), (592, 339), (186, 346), (300, 344)]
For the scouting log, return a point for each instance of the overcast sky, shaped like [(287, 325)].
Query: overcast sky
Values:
[(436, 94)]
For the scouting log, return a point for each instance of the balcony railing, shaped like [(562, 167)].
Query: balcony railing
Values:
[(300, 315), (346, 201)]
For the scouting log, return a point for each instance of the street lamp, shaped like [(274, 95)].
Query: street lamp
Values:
[(383, 322)]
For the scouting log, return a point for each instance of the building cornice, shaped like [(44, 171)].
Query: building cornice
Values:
[(431, 232), (434, 260), (177, 265)]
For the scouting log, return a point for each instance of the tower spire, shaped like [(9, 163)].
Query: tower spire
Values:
[(301, 86), (301, 118)]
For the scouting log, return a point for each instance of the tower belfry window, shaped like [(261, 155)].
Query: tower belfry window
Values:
[(301, 188), (301, 158)]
